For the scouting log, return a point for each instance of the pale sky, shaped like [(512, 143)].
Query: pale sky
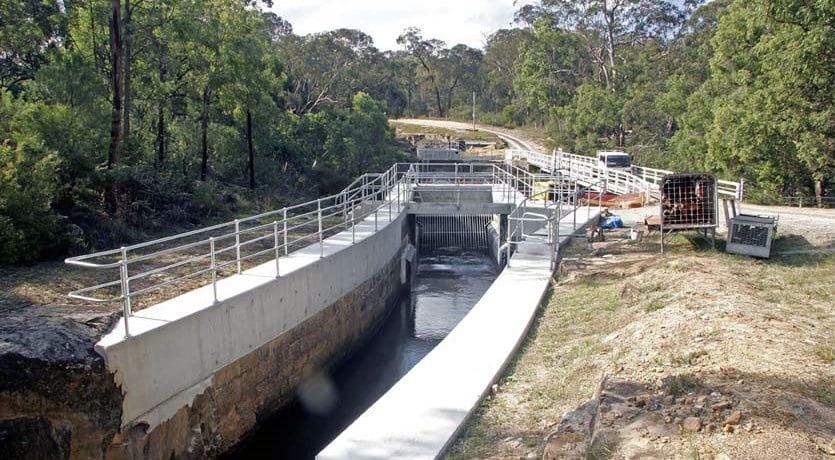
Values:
[(453, 21)]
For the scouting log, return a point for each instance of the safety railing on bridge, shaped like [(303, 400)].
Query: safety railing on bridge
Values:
[(544, 210), (222, 250), (638, 179), (143, 268)]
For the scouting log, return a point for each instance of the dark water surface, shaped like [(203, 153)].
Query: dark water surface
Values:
[(448, 284)]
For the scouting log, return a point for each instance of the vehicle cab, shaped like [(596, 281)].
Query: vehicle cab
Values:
[(618, 161)]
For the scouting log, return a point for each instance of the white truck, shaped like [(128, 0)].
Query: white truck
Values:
[(618, 161)]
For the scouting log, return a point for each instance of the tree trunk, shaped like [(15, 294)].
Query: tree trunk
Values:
[(610, 48), (251, 150), (204, 128), (437, 96), (116, 82), (819, 191), (127, 64), (160, 134)]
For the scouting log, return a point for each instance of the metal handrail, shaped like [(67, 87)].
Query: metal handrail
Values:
[(346, 208), (211, 249), (640, 179)]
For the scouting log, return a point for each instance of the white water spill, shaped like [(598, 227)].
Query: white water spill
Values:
[(448, 283)]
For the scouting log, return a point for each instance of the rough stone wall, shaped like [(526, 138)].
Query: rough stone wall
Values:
[(250, 389), (57, 399)]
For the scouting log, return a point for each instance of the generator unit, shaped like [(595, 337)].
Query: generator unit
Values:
[(751, 235)]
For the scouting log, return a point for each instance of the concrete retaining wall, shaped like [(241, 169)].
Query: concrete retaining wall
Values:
[(193, 386)]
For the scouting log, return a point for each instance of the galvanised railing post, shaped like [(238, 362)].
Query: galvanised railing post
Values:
[(353, 224), (388, 190), (284, 218), (214, 267), (275, 242), (125, 282), (397, 186), (321, 237), (576, 193), (376, 208), (344, 197), (238, 244)]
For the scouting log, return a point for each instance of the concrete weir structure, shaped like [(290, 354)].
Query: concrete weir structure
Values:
[(200, 371), (197, 375), (421, 415)]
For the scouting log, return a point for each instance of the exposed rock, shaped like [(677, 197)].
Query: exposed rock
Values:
[(734, 418), (692, 424), (47, 366), (710, 427), (722, 405)]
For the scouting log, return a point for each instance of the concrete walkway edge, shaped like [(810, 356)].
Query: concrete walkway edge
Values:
[(420, 416)]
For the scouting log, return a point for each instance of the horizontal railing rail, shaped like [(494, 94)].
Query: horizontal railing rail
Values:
[(223, 249), (639, 179)]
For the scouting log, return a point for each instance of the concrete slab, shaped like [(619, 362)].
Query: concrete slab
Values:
[(422, 413)]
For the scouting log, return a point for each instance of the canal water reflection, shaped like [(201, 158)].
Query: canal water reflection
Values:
[(448, 284)]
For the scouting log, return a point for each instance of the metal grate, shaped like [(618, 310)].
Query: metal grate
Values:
[(751, 235), (467, 232), (688, 201)]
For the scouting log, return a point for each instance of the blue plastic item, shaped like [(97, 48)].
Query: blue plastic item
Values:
[(612, 222)]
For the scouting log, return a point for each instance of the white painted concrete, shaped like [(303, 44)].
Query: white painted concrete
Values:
[(179, 344), (423, 412)]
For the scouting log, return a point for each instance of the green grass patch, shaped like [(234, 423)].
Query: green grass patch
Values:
[(826, 353)]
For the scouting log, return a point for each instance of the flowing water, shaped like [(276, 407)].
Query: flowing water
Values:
[(448, 284)]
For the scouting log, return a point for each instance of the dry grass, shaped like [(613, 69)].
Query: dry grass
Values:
[(761, 330), (443, 133)]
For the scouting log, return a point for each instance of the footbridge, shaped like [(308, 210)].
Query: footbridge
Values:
[(586, 171), (221, 324)]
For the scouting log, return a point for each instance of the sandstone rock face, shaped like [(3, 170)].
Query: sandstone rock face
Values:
[(57, 399)]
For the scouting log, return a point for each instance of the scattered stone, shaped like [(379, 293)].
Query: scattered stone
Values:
[(749, 427), (668, 419), (734, 418), (701, 399), (722, 456), (710, 428), (688, 400), (692, 424), (828, 449), (728, 428), (721, 406), (494, 389)]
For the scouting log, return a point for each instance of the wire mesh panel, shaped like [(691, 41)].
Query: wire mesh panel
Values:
[(462, 231), (688, 201), (751, 235)]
